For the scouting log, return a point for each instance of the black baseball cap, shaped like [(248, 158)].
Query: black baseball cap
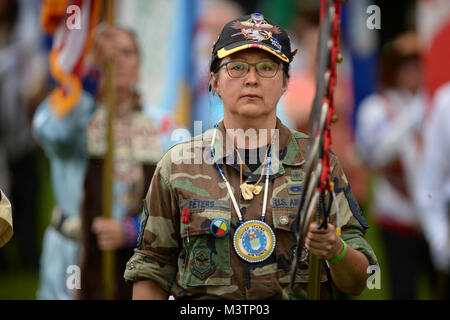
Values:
[(253, 31)]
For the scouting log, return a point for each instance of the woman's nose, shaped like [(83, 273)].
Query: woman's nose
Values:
[(252, 76)]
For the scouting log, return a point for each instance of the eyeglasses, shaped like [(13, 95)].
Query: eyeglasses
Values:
[(239, 69)]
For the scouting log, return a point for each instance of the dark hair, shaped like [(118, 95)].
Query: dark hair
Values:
[(394, 55), (286, 67)]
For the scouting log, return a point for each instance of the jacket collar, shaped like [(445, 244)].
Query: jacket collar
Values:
[(284, 140)]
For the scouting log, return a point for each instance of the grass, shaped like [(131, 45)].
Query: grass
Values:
[(17, 282), (373, 236), (19, 285)]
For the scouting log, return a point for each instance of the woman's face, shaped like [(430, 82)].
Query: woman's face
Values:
[(127, 61), (251, 96), (409, 76)]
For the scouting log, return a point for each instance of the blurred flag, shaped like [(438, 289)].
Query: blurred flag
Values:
[(164, 29), (434, 36), (70, 23), (179, 83), (362, 44)]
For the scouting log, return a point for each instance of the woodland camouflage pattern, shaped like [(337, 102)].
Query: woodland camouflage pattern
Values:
[(188, 262)]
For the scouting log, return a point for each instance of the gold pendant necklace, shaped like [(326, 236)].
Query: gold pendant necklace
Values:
[(248, 190)]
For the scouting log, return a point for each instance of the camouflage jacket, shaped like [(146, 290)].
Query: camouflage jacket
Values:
[(186, 260)]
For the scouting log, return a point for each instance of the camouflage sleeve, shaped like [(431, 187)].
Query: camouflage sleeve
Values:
[(156, 255), (6, 223), (350, 219), (353, 235)]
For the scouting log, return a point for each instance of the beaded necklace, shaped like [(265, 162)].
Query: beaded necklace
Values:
[(254, 240)]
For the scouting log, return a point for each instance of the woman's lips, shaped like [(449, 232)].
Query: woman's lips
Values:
[(251, 96)]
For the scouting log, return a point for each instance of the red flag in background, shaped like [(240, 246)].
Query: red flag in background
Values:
[(434, 35), (71, 23)]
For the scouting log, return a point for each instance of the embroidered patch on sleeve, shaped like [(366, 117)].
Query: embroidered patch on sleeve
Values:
[(297, 175), (202, 265), (354, 206), (295, 189), (144, 218)]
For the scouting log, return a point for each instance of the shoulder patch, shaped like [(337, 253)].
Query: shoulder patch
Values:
[(144, 218), (202, 263), (295, 188), (354, 206), (297, 175)]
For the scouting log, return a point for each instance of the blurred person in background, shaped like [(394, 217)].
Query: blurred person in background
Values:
[(300, 94), (433, 191), (388, 137), (302, 86), (214, 15), (22, 86), (76, 146)]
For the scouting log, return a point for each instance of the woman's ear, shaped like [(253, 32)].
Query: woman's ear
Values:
[(213, 82), (285, 84)]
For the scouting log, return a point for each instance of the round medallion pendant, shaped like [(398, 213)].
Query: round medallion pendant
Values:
[(254, 241)]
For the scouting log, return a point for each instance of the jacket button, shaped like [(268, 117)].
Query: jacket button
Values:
[(284, 220)]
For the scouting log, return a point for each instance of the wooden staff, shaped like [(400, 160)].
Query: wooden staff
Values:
[(314, 277), (108, 265), (317, 165)]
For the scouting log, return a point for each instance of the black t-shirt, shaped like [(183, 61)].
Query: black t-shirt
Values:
[(253, 158)]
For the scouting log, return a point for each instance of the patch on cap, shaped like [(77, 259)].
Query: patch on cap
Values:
[(253, 31)]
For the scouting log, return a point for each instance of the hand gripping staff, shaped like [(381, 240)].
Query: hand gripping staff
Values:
[(317, 185)]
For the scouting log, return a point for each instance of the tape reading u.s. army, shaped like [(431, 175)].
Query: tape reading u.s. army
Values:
[(285, 202)]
